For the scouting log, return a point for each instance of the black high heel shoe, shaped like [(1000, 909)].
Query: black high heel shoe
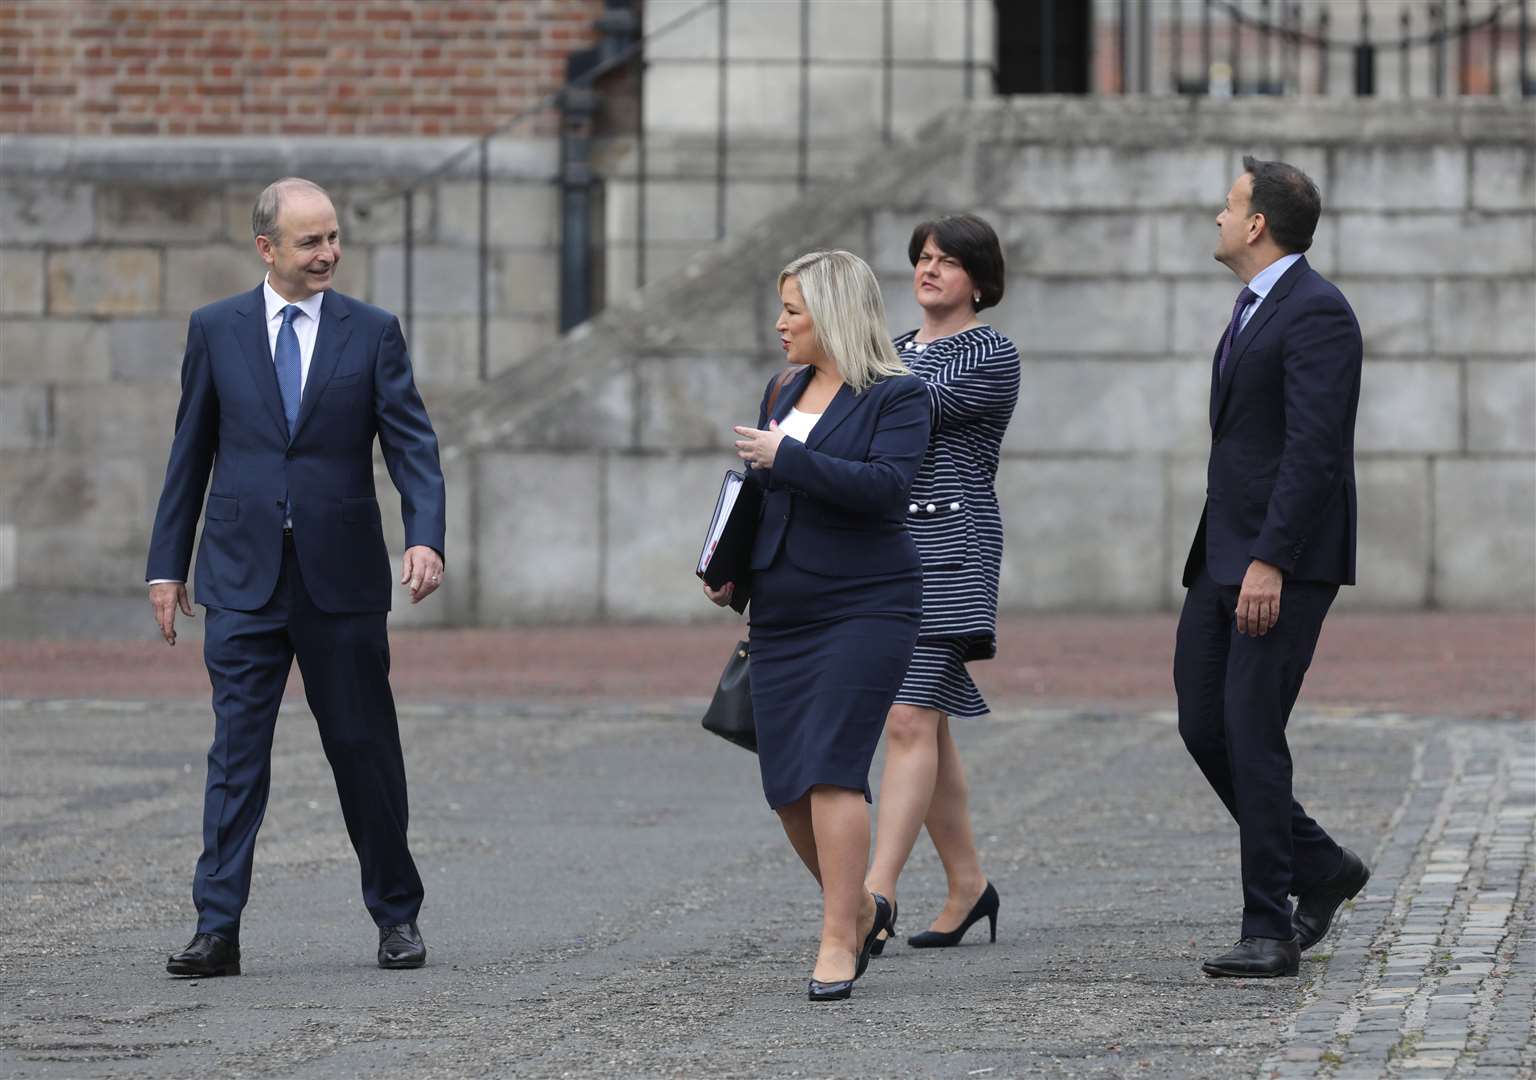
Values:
[(879, 946), (985, 908), (843, 988)]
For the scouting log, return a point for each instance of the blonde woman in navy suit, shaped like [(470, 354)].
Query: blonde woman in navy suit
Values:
[(837, 584), (971, 374)]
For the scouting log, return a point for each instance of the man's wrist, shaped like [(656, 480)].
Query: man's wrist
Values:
[(166, 581)]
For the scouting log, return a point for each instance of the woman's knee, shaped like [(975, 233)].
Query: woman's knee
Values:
[(910, 726)]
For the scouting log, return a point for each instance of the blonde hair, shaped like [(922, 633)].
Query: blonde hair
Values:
[(847, 314)]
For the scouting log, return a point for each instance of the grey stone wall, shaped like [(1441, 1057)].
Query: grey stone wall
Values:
[(106, 247), (579, 474), (597, 464)]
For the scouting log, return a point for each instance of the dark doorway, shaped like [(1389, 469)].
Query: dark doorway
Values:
[(1044, 46)]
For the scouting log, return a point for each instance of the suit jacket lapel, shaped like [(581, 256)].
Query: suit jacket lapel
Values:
[(1260, 318), (251, 332), (791, 393), (842, 406), (329, 339)]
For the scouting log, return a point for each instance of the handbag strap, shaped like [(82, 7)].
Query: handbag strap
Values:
[(778, 384)]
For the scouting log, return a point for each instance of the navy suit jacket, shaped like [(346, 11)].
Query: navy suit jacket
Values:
[(230, 421), (1281, 481), (837, 504)]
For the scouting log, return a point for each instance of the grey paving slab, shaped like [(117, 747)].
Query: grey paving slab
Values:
[(608, 896)]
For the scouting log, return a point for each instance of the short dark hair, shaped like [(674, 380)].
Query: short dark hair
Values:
[(1289, 201), (972, 241)]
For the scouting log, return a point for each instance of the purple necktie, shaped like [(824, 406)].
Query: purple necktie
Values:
[(1244, 298)]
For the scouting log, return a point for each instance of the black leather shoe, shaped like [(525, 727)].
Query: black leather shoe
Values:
[(401, 947), (206, 955), (984, 908), (841, 990), (879, 946), (1316, 907), (883, 917), (1256, 958)]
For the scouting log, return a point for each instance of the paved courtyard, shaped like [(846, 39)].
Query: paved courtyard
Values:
[(608, 896)]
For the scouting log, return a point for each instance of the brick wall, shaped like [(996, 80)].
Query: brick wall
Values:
[(282, 67)]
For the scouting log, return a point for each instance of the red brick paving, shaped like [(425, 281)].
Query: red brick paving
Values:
[(1467, 664)]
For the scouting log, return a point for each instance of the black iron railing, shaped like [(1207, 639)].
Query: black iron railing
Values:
[(1435, 49), (1240, 47)]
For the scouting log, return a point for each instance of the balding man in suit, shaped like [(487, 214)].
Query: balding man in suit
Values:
[(283, 390)]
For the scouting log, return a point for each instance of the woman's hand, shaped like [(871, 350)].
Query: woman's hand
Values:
[(758, 448), (721, 596)]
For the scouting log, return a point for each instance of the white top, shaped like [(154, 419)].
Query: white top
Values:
[(305, 326), (797, 425), (1262, 282)]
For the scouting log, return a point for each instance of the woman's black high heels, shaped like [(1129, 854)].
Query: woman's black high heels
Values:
[(985, 908), (879, 946), (843, 988)]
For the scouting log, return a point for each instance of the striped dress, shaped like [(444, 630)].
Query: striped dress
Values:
[(973, 385)]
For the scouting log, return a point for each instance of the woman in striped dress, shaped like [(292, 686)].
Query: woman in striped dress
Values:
[(972, 372)]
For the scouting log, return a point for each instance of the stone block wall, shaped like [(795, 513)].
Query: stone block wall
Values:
[(579, 473), (1107, 210), (107, 246)]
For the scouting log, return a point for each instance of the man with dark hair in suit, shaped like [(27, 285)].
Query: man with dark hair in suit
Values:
[(1278, 524), (283, 391)]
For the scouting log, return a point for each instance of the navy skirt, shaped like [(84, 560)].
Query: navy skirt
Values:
[(828, 655)]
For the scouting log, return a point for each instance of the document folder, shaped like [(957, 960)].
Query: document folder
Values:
[(727, 552)]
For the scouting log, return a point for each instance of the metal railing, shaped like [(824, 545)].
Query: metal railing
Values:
[(1240, 47), (578, 104), (1434, 49)]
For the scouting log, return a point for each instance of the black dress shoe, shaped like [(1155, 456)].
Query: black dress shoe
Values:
[(1256, 958), (879, 946), (401, 947), (1316, 907), (984, 908), (883, 917), (842, 989), (830, 991), (206, 955)]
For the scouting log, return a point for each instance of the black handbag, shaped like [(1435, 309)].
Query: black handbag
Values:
[(730, 711)]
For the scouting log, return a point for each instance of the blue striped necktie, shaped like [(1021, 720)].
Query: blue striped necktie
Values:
[(286, 357)]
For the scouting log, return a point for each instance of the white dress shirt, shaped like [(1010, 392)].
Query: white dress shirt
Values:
[(1262, 282), (306, 325)]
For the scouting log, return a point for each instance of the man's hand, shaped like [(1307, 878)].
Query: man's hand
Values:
[(1258, 603), (165, 598), (721, 596), (422, 570), (759, 448)]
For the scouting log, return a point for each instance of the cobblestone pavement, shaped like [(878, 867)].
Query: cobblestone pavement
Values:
[(607, 896), (1435, 973)]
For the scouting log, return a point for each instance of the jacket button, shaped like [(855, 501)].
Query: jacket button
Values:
[(931, 508), (911, 508), (954, 506), (289, 455), (279, 504)]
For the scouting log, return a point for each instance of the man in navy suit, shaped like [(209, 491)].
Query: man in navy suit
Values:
[(283, 390), (1278, 525)]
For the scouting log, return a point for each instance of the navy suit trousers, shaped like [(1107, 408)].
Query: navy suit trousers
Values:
[(1235, 697), (344, 659)]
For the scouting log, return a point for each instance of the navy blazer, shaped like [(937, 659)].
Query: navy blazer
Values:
[(1281, 481), (837, 505), (230, 421)]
